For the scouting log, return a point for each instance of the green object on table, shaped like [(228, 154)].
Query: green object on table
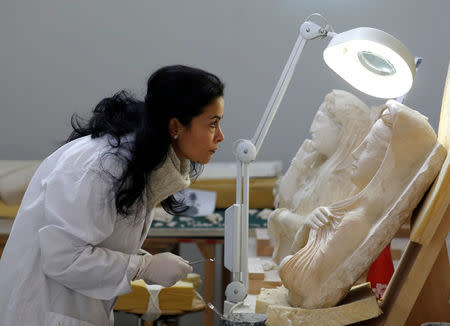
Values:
[(201, 222)]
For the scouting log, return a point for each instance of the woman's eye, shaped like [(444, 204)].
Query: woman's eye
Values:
[(214, 124)]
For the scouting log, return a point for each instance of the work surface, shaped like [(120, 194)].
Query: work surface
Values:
[(181, 226)]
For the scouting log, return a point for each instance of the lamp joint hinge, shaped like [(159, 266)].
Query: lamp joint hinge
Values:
[(310, 30)]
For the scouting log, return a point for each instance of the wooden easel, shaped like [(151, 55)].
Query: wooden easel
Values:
[(419, 290)]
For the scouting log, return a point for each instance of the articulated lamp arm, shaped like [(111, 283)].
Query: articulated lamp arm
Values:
[(236, 217), (308, 31)]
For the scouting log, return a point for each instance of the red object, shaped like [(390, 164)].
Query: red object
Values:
[(380, 272)]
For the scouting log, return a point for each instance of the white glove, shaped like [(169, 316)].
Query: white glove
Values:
[(164, 269), (319, 217)]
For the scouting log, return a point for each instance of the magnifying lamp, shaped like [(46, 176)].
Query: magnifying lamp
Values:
[(370, 60)]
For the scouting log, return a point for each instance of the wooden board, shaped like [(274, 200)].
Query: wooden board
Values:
[(9, 211), (437, 200), (260, 194), (174, 298), (434, 296), (255, 269), (271, 280), (360, 304), (409, 279), (263, 245)]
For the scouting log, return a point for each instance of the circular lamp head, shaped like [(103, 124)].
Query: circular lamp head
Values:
[(372, 61)]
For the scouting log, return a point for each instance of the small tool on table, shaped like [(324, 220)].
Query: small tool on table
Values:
[(201, 261)]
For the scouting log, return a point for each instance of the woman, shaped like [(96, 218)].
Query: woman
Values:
[(396, 163), (320, 171), (86, 212)]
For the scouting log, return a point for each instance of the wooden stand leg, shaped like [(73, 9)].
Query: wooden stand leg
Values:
[(409, 280), (208, 251), (433, 301)]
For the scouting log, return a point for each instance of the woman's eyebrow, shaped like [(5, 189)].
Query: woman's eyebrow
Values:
[(216, 117)]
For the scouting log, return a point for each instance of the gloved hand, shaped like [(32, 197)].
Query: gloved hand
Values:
[(319, 217), (164, 269)]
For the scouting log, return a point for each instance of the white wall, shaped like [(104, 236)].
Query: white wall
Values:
[(59, 57)]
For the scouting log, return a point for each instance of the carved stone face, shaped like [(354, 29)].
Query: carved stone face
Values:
[(370, 153), (324, 132)]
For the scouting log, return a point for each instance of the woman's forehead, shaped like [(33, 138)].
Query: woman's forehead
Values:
[(214, 109)]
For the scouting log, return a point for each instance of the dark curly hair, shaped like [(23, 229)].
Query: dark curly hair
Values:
[(178, 91)]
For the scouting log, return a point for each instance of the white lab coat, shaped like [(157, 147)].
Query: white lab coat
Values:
[(69, 255)]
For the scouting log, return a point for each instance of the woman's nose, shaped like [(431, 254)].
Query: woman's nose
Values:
[(220, 136)]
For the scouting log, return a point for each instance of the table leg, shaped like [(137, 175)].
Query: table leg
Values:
[(208, 251), (226, 277)]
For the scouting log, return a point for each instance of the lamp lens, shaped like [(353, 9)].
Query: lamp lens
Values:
[(376, 63)]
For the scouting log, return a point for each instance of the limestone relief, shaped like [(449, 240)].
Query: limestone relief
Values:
[(393, 167), (319, 174)]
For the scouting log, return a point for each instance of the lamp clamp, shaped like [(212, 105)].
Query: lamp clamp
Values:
[(236, 292)]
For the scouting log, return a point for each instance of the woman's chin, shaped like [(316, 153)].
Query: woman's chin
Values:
[(205, 160)]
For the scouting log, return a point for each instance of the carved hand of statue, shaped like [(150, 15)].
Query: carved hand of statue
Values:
[(319, 217)]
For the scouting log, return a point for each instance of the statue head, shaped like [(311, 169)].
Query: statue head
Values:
[(340, 117), (340, 124), (370, 153), (325, 131), (393, 149)]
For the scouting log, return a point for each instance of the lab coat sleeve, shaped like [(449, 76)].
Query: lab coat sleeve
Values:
[(80, 214)]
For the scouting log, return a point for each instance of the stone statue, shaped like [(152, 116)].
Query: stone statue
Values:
[(396, 163), (320, 171)]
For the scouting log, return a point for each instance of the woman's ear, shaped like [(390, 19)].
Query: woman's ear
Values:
[(175, 127)]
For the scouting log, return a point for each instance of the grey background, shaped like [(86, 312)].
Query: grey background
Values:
[(61, 57)]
